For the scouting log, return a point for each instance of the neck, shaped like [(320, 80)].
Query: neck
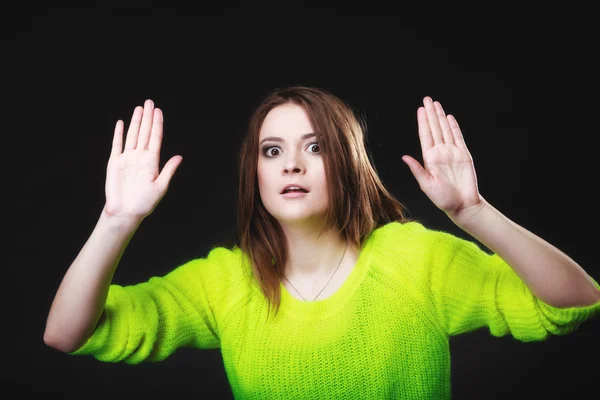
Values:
[(312, 255)]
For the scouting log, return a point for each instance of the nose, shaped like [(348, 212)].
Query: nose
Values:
[(293, 163)]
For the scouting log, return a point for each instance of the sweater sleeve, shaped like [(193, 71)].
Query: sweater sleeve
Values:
[(150, 320), (472, 288)]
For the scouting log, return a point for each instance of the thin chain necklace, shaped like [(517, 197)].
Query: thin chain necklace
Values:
[(327, 281)]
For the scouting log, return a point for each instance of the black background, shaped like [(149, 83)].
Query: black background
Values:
[(524, 92)]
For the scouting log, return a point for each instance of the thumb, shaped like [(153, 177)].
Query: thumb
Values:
[(420, 174), (168, 171)]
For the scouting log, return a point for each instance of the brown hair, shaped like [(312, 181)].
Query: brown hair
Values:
[(358, 200)]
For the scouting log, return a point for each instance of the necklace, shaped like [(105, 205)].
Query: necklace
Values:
[(336, 268)]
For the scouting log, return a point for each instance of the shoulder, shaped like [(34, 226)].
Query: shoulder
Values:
[(395, 231), (415, 230), (414, 238), (219, 264)]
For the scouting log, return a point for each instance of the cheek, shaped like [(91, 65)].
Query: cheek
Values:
[(262, 178), (260, 173), (322, 179)]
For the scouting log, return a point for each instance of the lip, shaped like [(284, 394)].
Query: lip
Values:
[(290, 185), (293, 195)]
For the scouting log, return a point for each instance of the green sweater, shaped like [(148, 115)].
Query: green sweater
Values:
[(383, 335)]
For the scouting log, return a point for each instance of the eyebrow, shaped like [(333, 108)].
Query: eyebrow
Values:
[(278, 139)]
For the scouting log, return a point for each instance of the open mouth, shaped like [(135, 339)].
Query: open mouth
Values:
[(293, 188)]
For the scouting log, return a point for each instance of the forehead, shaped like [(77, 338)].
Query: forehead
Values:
[(286, 120)]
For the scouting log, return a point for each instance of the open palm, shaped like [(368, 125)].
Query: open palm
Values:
[(448, 177), (134, 186)]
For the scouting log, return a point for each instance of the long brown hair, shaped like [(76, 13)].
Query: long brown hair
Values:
[(358, 200)]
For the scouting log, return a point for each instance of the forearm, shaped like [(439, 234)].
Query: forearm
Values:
[(551, 275), (81, 296)]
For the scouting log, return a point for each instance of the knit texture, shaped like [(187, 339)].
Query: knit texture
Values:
[(383, 335)]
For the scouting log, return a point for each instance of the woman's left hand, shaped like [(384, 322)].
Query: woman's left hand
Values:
[(449, 178)]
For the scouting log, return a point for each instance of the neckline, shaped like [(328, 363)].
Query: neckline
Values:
[(297, 308)]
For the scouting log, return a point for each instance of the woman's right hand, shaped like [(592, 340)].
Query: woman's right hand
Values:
[(134, 186)]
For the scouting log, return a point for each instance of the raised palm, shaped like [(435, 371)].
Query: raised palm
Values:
[(134, 186), (448, 175)]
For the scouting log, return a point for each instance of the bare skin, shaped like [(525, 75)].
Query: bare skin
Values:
[(133, 189)]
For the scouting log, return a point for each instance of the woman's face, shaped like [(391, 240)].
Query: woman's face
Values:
[(290, 154)]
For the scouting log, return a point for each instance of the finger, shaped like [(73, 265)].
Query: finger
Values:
[(420, 174), (432, 118), (446, 131), (424, 131), (134, 127), (117, 143), (456, 132), (156, 135), (167, 173), (146, 125)]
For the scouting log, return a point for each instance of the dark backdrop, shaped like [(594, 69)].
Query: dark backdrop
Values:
[(524, 95)]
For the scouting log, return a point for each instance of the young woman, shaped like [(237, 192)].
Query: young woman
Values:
[(364, 298)]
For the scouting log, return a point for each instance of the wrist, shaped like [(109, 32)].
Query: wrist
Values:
[(119, 222), (471, 214)]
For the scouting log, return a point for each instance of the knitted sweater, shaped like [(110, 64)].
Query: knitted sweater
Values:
[(383, 335)]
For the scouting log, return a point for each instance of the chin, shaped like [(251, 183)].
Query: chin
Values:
[(298, 217)]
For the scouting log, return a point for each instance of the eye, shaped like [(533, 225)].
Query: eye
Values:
[(267, 150), (311, 145)]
